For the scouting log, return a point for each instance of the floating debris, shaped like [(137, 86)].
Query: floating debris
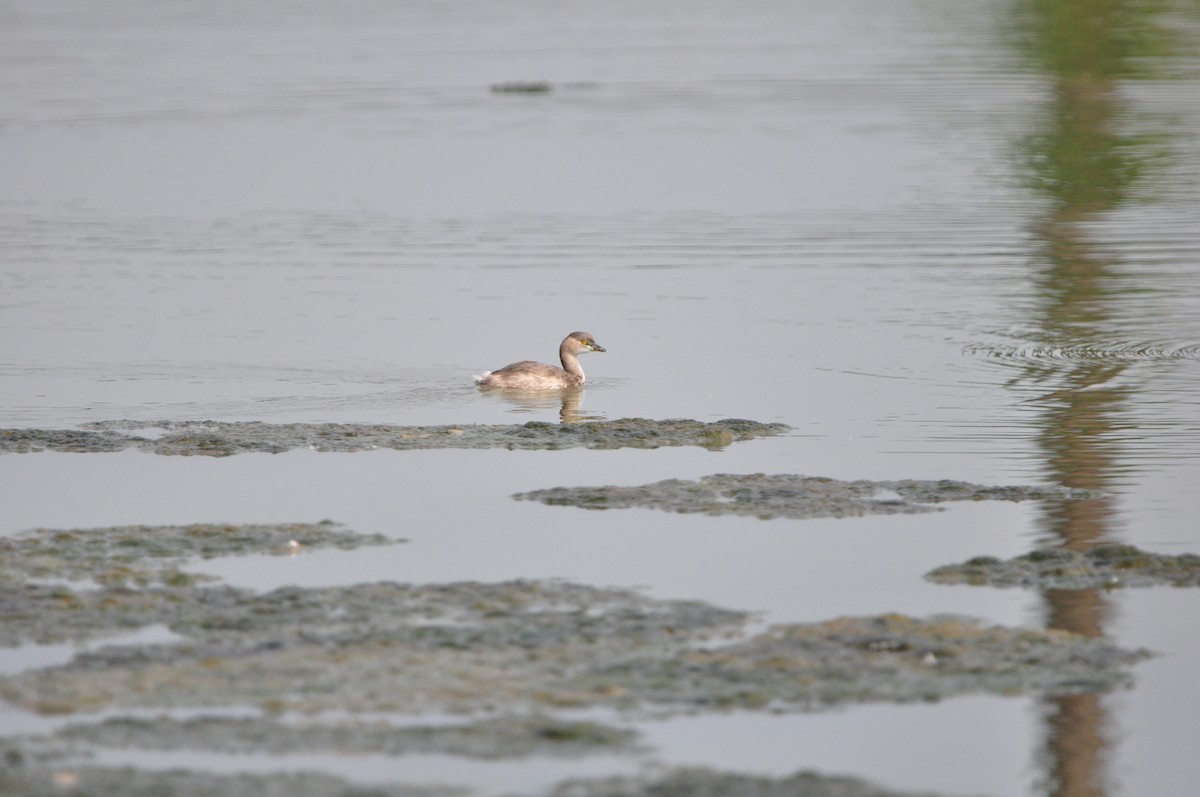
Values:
[(522, 87), (143, 555), (497, 738), (791, 496), (219, 439), (1109, 566)]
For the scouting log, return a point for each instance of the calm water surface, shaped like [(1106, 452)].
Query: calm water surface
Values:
[(940, 239)]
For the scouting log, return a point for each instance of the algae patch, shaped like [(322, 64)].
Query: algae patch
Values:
[(886, 658), (517, 652), (515, 646), (144, 555), (212, 438), (790, 496), (1108, 566), (98, 781), (89, 781), (491, 739), (697, 782), (522, 646), (370, 647)]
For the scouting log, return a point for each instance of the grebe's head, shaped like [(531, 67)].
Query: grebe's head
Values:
[(579, 342)]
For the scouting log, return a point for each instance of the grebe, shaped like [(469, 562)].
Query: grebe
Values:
[(528, 375)]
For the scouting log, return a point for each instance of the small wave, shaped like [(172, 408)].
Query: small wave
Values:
[(1117, 351)]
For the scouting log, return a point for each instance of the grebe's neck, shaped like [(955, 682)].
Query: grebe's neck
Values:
[(570, 362)]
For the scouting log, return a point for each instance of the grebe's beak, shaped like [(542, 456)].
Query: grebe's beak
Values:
[(594, 346)]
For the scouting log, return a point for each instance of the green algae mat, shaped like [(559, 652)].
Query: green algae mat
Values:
[(792, 496), (220, 439), (300, 670), (518, 646), (143, 555), (465, 646), (93, 781), (1108, 566)]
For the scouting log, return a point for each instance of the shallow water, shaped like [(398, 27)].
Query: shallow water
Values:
[(932, 238)]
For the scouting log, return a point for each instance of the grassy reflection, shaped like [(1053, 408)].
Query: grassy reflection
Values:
[(1080, 158), (1082, 163)]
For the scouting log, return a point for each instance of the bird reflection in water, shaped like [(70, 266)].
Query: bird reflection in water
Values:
[(568, 400)]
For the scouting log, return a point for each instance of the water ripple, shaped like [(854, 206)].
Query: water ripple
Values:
[(1102, 352)]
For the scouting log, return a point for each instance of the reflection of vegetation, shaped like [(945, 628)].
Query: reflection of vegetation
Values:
[(1104, 38), (1081, 159), (1085, 161)]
